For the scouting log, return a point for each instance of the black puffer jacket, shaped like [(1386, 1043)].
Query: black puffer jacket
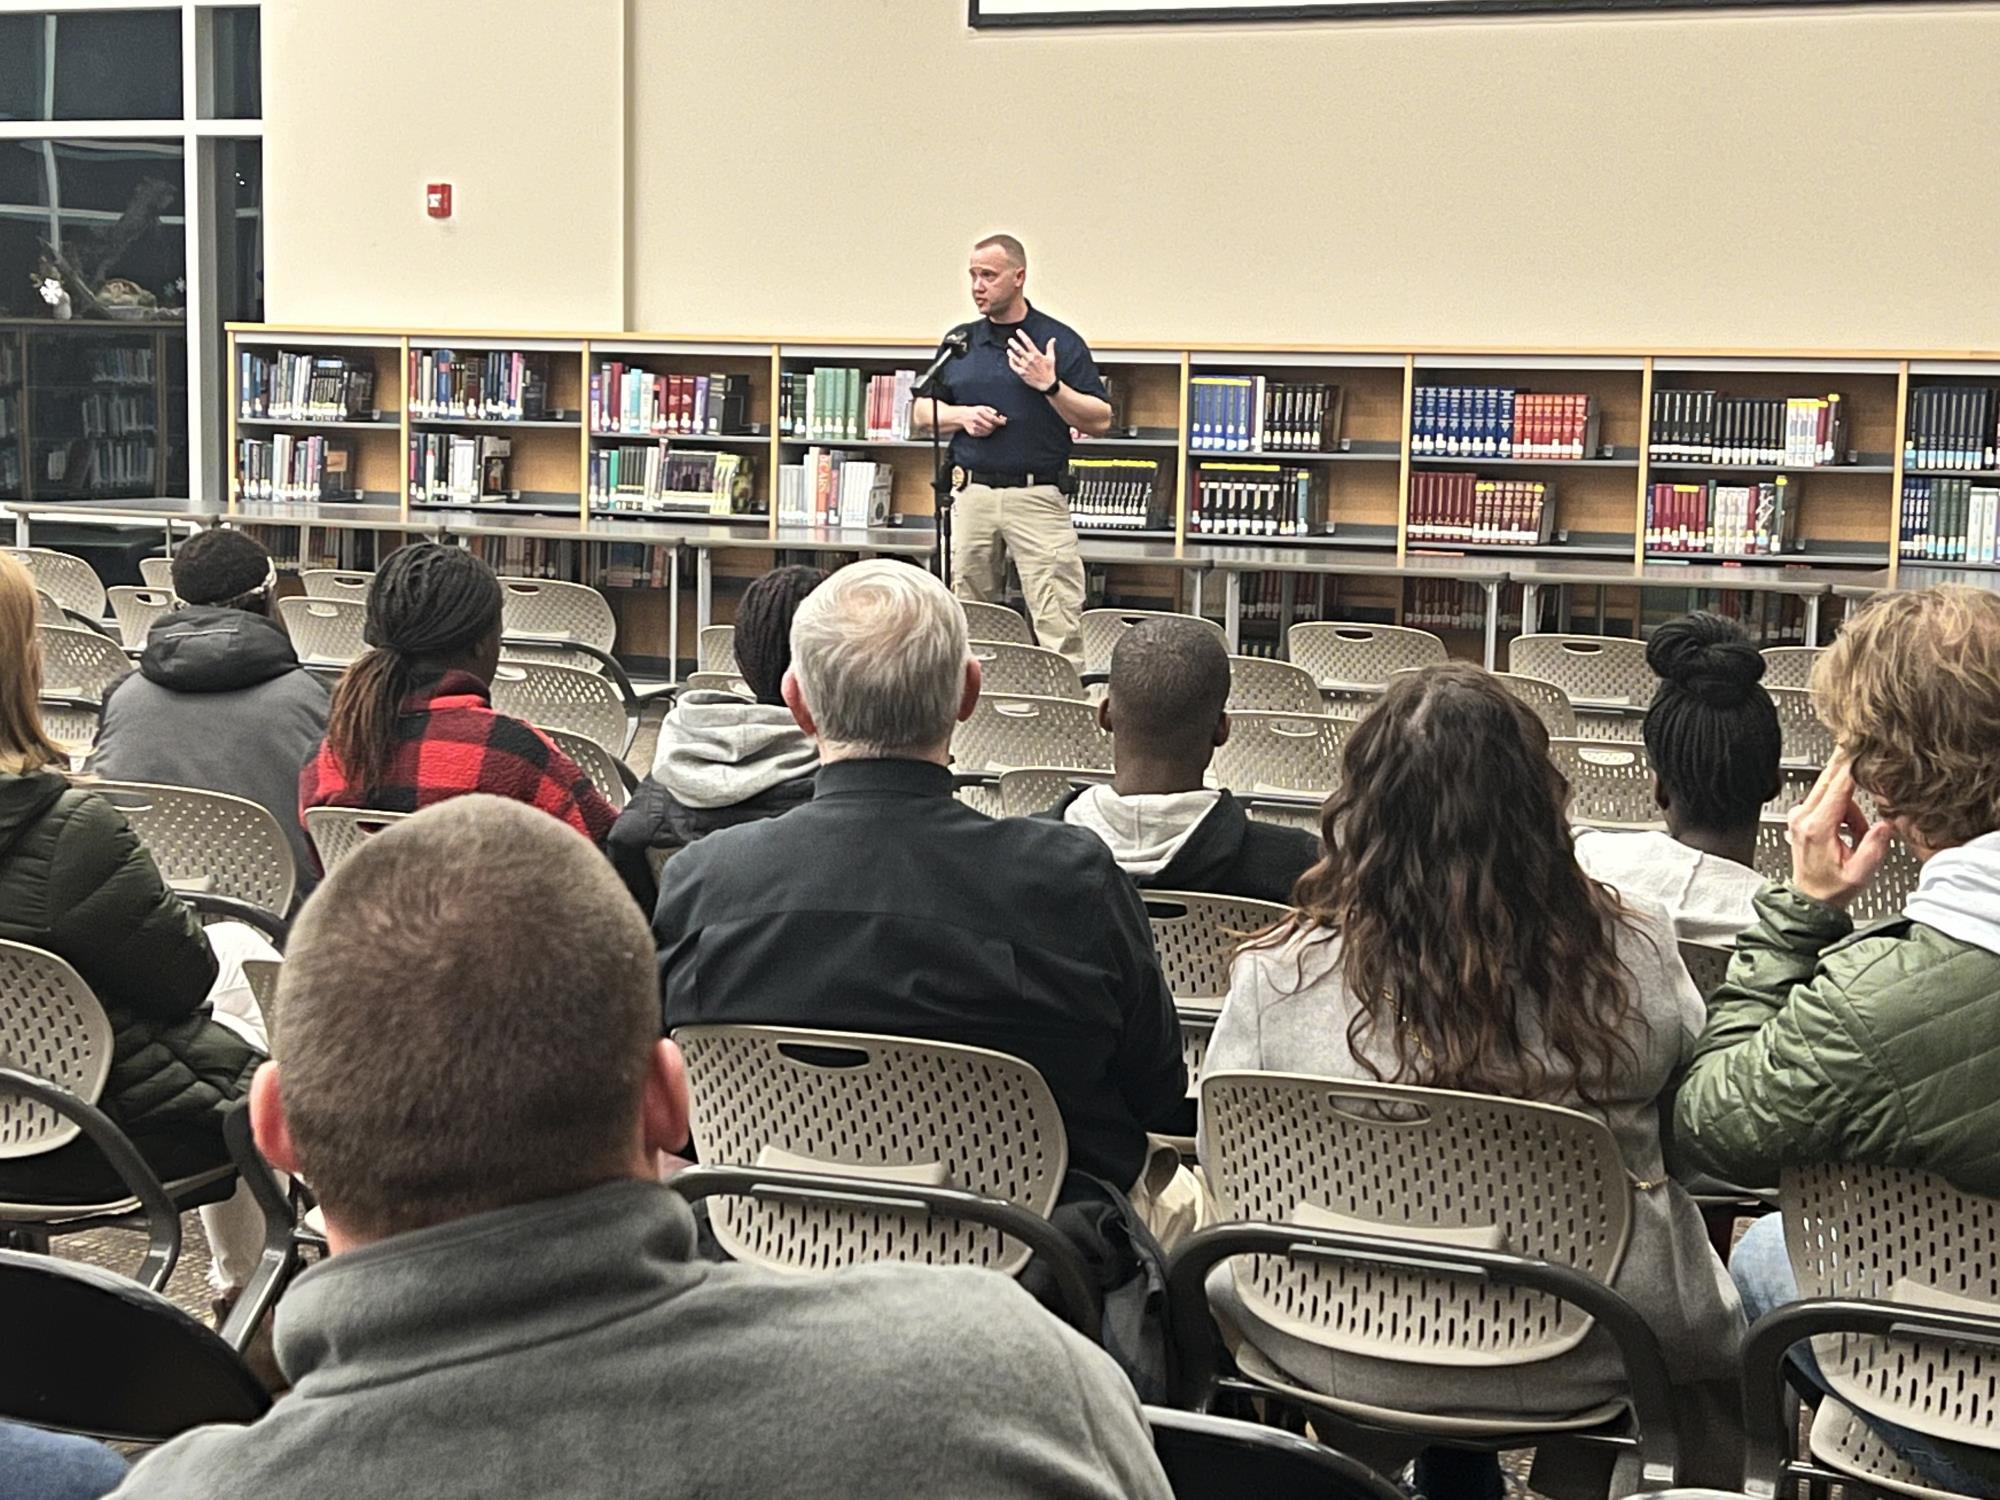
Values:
[(74, 880)]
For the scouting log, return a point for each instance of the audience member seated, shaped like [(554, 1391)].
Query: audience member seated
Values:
[(219, 701), (413, 721), (1712, 735), (1882, 1046), (186, 1032), (512, 1305), (56, 1466), (1167, 830), (1448, 939), (886, 905), (722, 761)]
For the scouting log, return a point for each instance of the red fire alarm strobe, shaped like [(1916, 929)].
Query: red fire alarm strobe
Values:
[(437, 200)]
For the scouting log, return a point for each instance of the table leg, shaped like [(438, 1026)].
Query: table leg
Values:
[(1531, 617), (673, 614), (1492, 624), (1195, 578), (704, 586), (20, 528), (1812, 619), (1232, 609)]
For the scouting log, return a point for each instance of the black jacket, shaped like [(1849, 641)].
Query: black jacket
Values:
[(655, 820), (1230, 854), (885, 905)]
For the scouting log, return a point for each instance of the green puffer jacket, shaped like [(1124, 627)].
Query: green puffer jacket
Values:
[(74, 880), (1831, 1044)]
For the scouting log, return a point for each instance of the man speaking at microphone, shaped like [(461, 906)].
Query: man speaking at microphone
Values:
[(1009, 402)]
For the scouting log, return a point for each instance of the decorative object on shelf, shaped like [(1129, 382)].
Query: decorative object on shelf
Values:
[(82, 268)]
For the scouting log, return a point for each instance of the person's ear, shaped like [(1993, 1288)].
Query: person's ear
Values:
[(1221, 730), (666, 1105), (1663, 802), (1104, 715), (267, 1120), (795, 700), (969, 699)]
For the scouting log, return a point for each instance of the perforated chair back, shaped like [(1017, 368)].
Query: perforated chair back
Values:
[(73, 726), (563, 698), (1271, 752), (1894, 1234), (261, 974), (596, 762), (1795, 783), (157, 572), (1884, 896), (721, 682), (1197, 1030), (1550, 703), (715, 651), (1008, 668), (877, 1109), (1605, 677), (136, 610), (79, 663), (336, 583), (337, 832), (1258, 682), (325, 632), (1196, 937), (535, 609), (1790, 666), (982, 796), (47, 611), (1033, 789), (1608, 783), (1532, 1180), (51, 1026), (1707, 966), (1350, 657), (210, 841), (69, 580), (996, 622), (1305, 813), (1806, 741), (1011, 730), (1104, 628)]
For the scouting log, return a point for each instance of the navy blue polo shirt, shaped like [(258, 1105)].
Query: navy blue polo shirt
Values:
[(1036, 438)]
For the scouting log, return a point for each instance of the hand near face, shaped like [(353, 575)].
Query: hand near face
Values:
[(1823, 866), (1036, 367)]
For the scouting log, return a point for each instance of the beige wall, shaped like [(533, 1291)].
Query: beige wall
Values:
[(1800, 178), (517, 103)]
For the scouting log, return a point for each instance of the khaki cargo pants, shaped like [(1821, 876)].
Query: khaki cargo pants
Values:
[(1031, 525)]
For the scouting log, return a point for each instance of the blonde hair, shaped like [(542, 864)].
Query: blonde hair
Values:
[(24, 746), (1911, 691)]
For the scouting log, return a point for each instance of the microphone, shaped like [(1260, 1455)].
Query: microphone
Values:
[(950, 347)]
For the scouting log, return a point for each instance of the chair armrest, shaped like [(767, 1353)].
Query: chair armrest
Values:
[(1080, 1307), (266, 921), (278, 1259)]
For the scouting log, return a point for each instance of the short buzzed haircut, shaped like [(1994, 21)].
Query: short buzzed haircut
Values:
[(1169, 685), (464, 1020), (879, 653), (1013, 249)]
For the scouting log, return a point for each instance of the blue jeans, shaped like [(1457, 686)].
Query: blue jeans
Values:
[(1762, 1271), (42, 1465)]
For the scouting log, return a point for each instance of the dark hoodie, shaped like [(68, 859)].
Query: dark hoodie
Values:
[(1187, 842), (219, 702)]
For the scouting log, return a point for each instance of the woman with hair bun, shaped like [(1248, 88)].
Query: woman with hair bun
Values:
[(1712, 735)]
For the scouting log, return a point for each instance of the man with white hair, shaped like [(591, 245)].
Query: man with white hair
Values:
[(885, 905)]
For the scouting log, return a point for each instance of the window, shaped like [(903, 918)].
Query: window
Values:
[(107, 65)]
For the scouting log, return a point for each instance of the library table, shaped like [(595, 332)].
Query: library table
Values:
[(193, 515), (1810, 584), (1923, 576)]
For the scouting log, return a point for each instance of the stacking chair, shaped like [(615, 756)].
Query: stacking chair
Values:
[(1102, 629), (610, 775), (1009, 668), (1218, 1458), (1424, 1226), (1032, 789), (716, 649), (327, 632), (573, 618), (1609, 784), (829, 1149), (262, 976), (69, 580), (227, 856), (336, 583), (79, 663), (980, 791), (996, 622), (1807, 742), (1196, 936), (337, 832), (1901, 1299), (1297, 811), (1550, 703), (1605, 677), (1884, 896), (1707, 966), (47, 611), (1258, 682), (1350, 660), (720, 682), (1790, 666), (1297, 754), (70, 721), (136, 610), (1794, 782), (565, 698), (157, 573), (1009, 730)]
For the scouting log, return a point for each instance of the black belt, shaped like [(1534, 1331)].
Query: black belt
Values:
[(994, 479)]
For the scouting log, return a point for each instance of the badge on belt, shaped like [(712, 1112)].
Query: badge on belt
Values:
[(958, 477)]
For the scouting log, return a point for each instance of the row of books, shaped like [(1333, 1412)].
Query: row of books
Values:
[(289, 545), (1952, 427), (1263, 598), (449, 466), (1461, 507), (1736, 520), (1802, 432), (285, 467), (10, 414), (10, 362), (833, 488), (129, 463), (114, 414), (1450, 604), (658, 476), (629, 402), (1249, 499), (524, 556), (295, 387), (837, 403), (506, 385), (1253, 414), (122, 366), (634, 565), (1768, 619), (1491, 421), (1949, 520), (1117, 494)]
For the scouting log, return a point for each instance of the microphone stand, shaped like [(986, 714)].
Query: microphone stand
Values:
[(940, 485)]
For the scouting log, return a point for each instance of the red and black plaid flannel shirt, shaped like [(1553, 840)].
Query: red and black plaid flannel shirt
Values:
[(450, 742)]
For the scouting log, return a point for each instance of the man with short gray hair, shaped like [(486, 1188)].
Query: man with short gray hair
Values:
[(885, 905)]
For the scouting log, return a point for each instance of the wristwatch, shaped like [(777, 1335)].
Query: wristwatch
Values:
[(1054, 386)]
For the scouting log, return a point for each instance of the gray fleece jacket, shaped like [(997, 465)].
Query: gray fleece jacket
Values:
[(575, 1348)]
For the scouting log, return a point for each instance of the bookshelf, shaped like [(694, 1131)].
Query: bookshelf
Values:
[(92, 409)]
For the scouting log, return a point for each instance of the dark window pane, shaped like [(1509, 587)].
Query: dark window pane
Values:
[(109, 65), (237, 65)]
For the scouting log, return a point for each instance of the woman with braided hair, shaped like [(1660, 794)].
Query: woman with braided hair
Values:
[(412, 722)]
